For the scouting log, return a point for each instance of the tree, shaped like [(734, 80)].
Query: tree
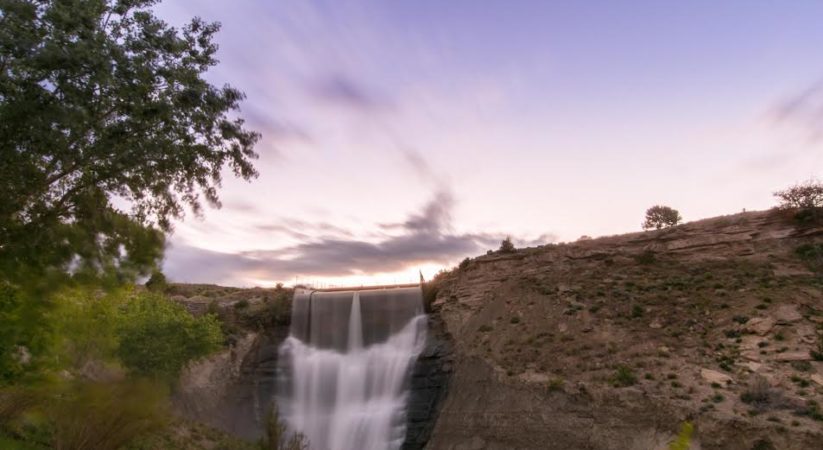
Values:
[(506, 245), (158, 337), (157, 282), (804, 196), (100, 100), (659, 216)]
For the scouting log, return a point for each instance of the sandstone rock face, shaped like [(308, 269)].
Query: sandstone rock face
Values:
[(635, 329), (234, 390)]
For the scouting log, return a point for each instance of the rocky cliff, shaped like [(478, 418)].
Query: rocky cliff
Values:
[(613, 343)]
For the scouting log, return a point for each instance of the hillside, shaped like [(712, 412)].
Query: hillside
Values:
[(612, 343)]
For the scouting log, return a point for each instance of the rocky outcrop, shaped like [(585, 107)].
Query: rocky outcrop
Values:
[(613, 343), (430, 380), (233, 391)]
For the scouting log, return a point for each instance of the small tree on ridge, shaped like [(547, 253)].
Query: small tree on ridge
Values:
[(660, 216)]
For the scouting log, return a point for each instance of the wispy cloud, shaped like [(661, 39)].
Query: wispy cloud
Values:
[(803, 110), (341, 90), (424, 237)]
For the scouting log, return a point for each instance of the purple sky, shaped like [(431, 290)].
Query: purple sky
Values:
[(400, 136)]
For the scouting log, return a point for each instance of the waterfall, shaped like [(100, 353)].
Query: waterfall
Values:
[(346, 365)]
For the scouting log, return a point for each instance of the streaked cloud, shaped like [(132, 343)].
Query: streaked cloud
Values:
[(341, 90), (424, 237), (803, 110)]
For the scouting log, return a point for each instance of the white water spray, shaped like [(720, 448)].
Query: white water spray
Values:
[(347, 365)]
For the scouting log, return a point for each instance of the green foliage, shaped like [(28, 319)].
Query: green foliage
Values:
[(431, 288), (683, 441), (241, 304), (555, 384), (808, 194), (506, 246), (623, 376), (85, 325), (659, 216), (102, 416), (159, 337), (25, 335), (101, 99), (157, 282), (646, 258), (811, 255)]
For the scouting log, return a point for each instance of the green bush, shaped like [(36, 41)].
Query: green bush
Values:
[(157, 282), (555, 384), (811, 255), (241, 304), (683, 441), (645, 258), (159, 337), (26, 336), (659, 216), (623, 377), (103, 416), (506, 246), (805, 195)]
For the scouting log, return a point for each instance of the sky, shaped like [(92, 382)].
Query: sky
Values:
[(402, 136)]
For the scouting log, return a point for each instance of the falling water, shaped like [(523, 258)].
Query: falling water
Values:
[(346, 366)]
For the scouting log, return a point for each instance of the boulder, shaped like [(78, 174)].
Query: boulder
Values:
[(760, 325), (793, 356), (713, 376), (752, 366), (787, 314)]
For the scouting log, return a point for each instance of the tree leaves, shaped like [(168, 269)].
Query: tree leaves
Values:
[(101, 100)]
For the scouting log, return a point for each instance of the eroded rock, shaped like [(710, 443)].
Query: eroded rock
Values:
[(713, 376)]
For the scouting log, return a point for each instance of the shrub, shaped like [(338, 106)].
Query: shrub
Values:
[(104, 416), (15, 401), (811, 255), (157, 282), (431, 289), (159, 337), (555, 384), (659, 216), (464, 264), (807, 195), (683, 441), (506, 246), (241, 304), (760, 394), (645, 258), (26, 336), (623, 377)]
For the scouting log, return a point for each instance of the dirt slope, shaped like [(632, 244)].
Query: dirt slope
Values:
[(612, 343)]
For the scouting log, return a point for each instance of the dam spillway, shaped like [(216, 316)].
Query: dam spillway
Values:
[(346, 366)]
